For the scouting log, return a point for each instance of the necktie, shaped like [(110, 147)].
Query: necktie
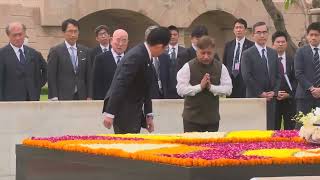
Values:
[(105, 50), (74, 59), (316, 63), (236, 62), (118, 59), (156, 66), (173, 55), (21, 56), (281, 66), (265, 60)]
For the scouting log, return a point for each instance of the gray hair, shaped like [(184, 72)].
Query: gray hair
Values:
[(148, 30), (15, 23)]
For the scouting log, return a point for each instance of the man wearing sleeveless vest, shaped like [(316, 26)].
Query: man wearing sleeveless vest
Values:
[(201, 81)]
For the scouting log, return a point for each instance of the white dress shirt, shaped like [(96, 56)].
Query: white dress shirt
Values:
[(176, 47), (16, 50), (74, 48), (115, 55), (241, 41), (104, 47), (313, 51), (283, 62), (265, 52), (284, 65), (184, 88)]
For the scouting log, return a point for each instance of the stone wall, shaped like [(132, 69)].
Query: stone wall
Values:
[(20, 120), (43, 18)]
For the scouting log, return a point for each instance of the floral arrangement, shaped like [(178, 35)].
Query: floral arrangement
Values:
[(236, 148), (311, 125)]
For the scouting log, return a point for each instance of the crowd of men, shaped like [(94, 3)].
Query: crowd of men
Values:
[(160, 68)]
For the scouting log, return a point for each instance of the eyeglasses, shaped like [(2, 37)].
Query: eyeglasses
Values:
[(261, 33), (103, 34)]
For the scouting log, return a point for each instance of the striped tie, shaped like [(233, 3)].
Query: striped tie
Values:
[(316, 63)]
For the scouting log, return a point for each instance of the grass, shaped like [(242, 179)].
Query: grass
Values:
[(44, 97)]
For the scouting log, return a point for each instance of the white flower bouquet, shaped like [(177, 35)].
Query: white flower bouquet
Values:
[(311, 125)]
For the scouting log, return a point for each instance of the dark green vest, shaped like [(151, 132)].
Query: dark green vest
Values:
[(203, 108)]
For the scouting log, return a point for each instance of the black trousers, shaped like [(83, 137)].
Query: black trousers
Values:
[(305, 106), (285, 109), (76, 96), (195, 127), (119, 130), (271, 114)]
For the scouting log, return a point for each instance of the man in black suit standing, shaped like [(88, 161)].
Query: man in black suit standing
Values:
[(106, 63), (23, 71), (190, 53), (103, 38), (174, 53), (69, 67), (128, 105), (307, 70), (232, 57), (286, 107), (260, 71)]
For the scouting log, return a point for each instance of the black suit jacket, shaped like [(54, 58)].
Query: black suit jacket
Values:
[(156, 93), (304, 71), (95, 52), (172, 73), (61, 77), (255, 73), (189, 54), (239, 88), (291, 76), (103, 71), (21, 82), (130, 90)]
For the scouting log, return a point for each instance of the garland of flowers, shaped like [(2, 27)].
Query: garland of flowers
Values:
[(193, 151)]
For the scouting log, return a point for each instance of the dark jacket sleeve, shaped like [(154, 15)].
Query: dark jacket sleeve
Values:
[(53, 62), (225, 53), (43, 70), (122, 80), (300, 70), (2, 75), (277, 77), (247, 74), (89, 74)]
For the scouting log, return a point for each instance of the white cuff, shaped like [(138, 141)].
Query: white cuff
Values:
[(108, 115)]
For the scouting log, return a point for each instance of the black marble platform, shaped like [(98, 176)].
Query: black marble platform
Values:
[(44, 164)]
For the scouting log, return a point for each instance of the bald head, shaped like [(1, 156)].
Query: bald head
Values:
[(16, 32), (119, 41)]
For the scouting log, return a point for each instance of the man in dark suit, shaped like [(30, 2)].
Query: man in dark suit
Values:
[(190, 53), (232, 57), (286, 107), (174, 53), (160, 67), (106, 63), (307, 71), (23, 71), (260, 71), (130, 89), (69, 67), (103, 38)]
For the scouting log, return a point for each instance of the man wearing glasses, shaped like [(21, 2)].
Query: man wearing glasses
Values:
[(69, 66), (103, 38), (106, 64), (260, 71)]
